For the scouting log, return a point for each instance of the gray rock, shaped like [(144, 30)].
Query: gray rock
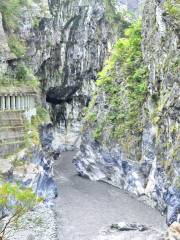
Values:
[(30, 237), (174, 232), (153, 175), (126, 231), (122, 226)]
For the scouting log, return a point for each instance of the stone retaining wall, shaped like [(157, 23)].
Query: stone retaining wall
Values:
[(12, 131)]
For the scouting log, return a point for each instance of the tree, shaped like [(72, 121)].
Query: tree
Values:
[(15, 201)]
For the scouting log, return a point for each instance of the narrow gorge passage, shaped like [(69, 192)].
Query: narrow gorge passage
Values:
[(85, 207)]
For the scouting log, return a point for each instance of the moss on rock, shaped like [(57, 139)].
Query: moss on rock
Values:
[(124, 84)]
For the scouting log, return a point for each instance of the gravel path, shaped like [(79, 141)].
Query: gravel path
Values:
[(85, 207)]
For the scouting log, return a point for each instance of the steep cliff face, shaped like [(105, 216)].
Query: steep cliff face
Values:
[(161, 54), (136, 146), (64, 43), (21, 155), (85, 36), (87, 31)]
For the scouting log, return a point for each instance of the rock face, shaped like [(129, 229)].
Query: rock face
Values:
[(34, 167), (127, 231), (174, 231), (85, 35), (155, 177), (66, 45), (3, 42)]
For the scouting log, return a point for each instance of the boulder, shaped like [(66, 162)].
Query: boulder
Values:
[(174, 231), (129, 231), (5, 167)]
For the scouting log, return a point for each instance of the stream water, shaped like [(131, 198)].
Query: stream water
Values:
[(85, 207)]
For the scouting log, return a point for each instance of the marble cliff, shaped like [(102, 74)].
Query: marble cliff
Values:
[(57, 49), (145, 160), (50, 53)]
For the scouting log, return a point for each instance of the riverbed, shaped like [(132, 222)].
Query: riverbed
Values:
[(84, 208)]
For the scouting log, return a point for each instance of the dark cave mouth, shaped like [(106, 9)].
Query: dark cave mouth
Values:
[(59, 95)]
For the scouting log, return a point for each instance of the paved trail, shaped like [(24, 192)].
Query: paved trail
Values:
[(85, 207)]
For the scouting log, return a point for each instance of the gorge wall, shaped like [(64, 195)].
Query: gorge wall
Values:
[(64, 44), (131, 131), (55, 48)]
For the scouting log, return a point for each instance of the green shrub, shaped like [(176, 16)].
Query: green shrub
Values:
[(22, 72), (172, 7), (42, 115), (6, 79), (124, 82), (91, 117), (36, 22), (10, 10), (17, 201), (97, 134), (17, 45), (25, 76)]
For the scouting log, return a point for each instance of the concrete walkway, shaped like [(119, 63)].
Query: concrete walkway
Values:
[(84, 207)]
